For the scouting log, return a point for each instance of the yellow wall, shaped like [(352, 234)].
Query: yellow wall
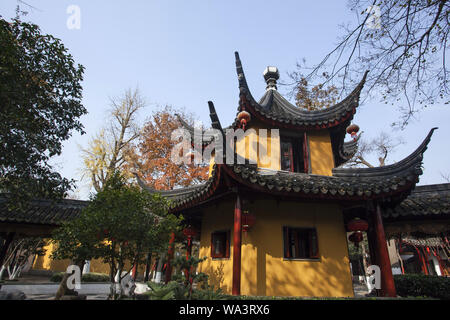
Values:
[(321, 153), (219, 270), (264, 272), (46, 263), (263, 150), (266, 151)]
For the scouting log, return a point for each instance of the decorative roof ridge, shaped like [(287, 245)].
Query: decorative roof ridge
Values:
[(331, 110), (183, 195), (151, 190), (431, 188), (328, 116), (349, 148), (207, 137), (42, 201), (414, 159)]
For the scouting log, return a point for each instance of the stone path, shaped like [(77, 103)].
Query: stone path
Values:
[(360, 290)]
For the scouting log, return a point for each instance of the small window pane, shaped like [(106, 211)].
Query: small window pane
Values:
[(219, 244), (301, 243)]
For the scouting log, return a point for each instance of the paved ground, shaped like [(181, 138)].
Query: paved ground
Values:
[(360, 290), (40, 288), (52, 297)]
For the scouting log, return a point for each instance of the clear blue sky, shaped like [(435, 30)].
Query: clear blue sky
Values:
[(182, 53)]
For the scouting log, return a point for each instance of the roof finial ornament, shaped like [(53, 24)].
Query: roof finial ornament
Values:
[(271, 75)]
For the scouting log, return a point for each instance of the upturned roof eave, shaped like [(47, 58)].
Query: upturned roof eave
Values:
[(290, 116), (349, 184)]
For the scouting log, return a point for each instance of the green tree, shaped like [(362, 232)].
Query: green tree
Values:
[(40, 101), (121, 224), (76, 241)]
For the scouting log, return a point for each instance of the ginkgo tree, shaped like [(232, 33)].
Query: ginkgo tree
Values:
[(109, 149)]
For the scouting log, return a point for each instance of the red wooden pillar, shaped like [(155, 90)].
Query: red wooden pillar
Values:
[(305, 153), (188, 254), (169, 257), (134, 271), (387, 280), (237, 232)]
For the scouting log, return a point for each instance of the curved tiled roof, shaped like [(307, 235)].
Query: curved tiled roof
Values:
[(183, 196), (346, 150), (345, 183), (43, 212), (207, 135), (276, 109), (432, 201), (413, 161)]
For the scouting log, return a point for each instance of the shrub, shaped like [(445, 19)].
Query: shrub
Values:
[(57, 277), (87, 277), (418, 285), (95, 277)]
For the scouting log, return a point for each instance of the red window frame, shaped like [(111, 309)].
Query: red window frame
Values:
[(224, 251), (290, 154), (297, 153), (294, 238)]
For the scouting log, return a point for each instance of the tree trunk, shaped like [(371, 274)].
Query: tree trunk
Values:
[(158, 276), (148, 266), (2, 270), (9, 239)]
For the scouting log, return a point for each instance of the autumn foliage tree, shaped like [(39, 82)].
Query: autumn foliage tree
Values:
[(314, 97), (152, 157), (109, 150)]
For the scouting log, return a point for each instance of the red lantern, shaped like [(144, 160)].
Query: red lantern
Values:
[(356, 237), (189, 232), (357, 225), (353, 130), (248, 220), (244, 118)]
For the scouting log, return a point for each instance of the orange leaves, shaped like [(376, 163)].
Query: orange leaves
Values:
[(152, 158)]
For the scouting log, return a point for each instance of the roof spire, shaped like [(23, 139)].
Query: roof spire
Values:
[(271, 75)]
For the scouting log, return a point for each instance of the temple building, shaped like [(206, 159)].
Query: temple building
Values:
[(276, 223), (279, 208)]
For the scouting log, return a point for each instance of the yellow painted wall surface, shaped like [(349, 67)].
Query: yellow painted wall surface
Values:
[(265, 151), (46, 263), (321, 153), (219, 270), (211, 165), (262, 149), (264, 271)]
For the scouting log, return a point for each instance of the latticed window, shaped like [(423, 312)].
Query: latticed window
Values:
[(220, 244), (300, 243), (293, 155)]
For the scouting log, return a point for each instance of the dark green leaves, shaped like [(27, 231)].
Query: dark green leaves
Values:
[(40, 103)]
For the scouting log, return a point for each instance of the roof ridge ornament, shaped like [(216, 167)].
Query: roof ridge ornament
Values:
[(271, 75)]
